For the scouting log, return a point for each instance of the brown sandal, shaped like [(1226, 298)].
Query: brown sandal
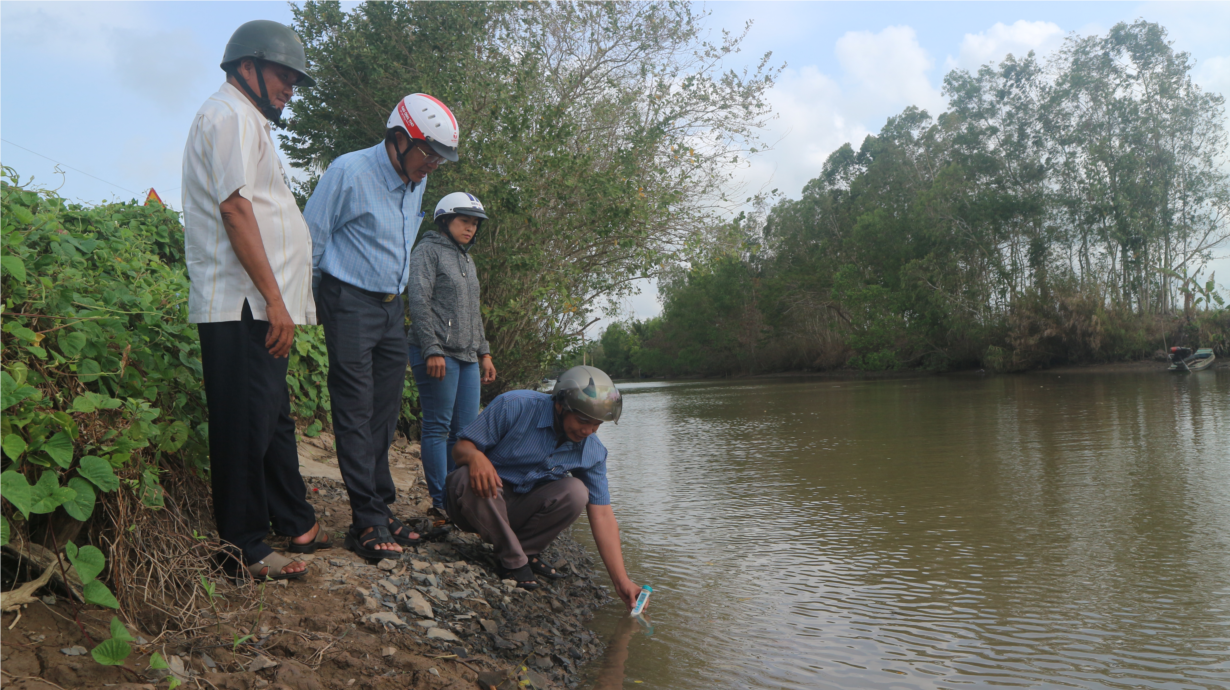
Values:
[(273, 567)]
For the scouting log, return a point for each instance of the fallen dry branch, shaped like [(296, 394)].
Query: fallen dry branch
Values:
[(24, 594)]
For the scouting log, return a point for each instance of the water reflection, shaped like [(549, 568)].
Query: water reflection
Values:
[(610, 673), (941, 532)]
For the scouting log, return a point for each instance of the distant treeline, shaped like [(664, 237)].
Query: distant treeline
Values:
[(1059, 211)]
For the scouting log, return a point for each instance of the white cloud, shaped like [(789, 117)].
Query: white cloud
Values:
[(994, 44), (163, 66), (888, 70), (77, 32), (881, 74), (814, 117)]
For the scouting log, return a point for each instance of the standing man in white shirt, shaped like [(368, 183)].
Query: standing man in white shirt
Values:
[(249, 256)]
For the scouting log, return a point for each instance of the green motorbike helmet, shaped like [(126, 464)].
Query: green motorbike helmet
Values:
[(589, 392), (265, 41)]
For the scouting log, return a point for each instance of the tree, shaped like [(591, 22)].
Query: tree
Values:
[(1137, 148), (1055, 208), (600, 137)]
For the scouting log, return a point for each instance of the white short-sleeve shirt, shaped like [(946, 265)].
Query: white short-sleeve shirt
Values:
[(230, 148)]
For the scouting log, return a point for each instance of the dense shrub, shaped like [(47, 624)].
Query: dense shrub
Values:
[(102, 387), (102, 374)]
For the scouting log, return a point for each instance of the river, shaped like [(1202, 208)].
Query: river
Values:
[(1040, 530)]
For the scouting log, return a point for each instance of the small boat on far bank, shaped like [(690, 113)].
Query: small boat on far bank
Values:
[(1182, 359)]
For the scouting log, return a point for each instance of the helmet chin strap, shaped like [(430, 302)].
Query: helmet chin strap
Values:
[(263, 103), (401, 157)]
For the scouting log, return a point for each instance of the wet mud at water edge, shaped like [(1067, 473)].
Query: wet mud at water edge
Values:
[(1066, 530)]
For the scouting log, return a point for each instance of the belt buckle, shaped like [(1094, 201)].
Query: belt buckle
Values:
[(389, 298)]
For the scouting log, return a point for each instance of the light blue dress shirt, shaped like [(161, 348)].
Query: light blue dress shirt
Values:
[(364, 221), (517, 434)]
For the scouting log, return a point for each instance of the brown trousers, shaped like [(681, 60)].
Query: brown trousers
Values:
[(517, 525)]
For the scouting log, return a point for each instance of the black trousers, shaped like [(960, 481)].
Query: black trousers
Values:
[(368, 352), (254, 465)]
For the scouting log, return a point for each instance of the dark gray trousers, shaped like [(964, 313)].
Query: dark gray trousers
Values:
[(366, 340), (517, 525)]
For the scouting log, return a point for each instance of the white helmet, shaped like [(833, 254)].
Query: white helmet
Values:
[(460, 203), (423, 117)]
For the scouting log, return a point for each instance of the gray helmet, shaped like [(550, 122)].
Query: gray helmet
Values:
[(588, 391), (268, 40)]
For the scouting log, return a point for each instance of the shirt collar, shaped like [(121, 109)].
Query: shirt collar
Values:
[(546, 418), (233, 92), (391, 179)]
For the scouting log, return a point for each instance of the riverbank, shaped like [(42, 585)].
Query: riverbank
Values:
[(855, 374), (437, 617), (1139, 366)]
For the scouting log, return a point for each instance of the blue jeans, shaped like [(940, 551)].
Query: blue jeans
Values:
[(449, 404)]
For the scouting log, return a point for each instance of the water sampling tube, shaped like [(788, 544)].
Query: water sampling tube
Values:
[(641, 599)]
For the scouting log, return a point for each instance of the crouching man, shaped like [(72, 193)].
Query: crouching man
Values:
[(513, 486)]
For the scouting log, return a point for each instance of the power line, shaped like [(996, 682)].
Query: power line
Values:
[(71, 167)]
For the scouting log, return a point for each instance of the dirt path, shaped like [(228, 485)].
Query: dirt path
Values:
[(436, 617)]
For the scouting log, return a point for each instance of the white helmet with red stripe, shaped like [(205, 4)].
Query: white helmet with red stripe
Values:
[(424, 117)]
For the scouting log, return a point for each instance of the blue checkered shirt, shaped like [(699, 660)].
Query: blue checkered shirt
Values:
[(364, 220), (516, 432)]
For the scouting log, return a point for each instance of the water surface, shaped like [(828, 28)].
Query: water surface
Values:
[(944, 532)]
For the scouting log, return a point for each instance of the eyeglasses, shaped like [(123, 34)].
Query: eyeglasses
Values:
[(287, 76), (429, 155)]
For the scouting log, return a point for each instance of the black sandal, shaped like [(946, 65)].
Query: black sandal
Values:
[(541, 568), (320, 542), (399, 529), (363, 545), (523, 576)]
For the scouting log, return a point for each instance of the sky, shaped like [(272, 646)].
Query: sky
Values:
[(108, 90)]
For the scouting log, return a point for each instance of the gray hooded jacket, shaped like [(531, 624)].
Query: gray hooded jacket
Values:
[(444, 306)]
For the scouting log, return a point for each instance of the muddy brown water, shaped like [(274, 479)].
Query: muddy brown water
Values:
[(1040, 530)]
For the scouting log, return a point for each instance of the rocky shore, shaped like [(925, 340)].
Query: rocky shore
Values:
[(434, 617), (445, 595)]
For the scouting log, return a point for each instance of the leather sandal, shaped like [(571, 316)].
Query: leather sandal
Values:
[(365, 545), (523, 576), (273, 567), (401, 533), (541, 568), (320, 542)]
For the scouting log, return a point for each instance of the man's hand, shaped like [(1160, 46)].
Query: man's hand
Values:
[(436, 368), (484, 480), (281, 329), (628, 591), (487, 368), (245, 237), (606, 538)]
